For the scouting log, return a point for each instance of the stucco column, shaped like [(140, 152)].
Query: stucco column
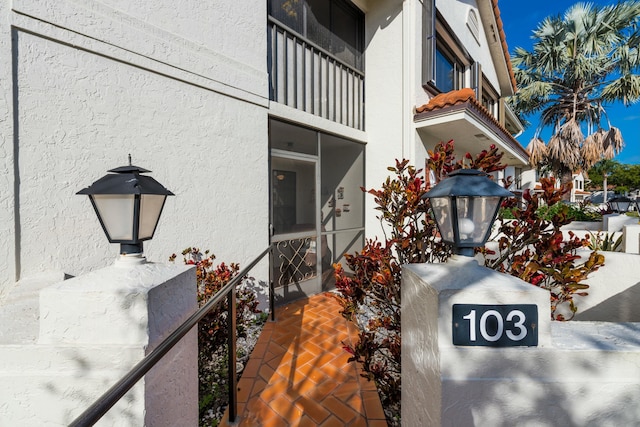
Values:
[(613, 223), (631, 239), (440, 386), (93, 329)]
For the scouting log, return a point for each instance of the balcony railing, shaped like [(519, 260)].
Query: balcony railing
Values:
[(306, 77)]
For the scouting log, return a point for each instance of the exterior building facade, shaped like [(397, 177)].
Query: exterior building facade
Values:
[(265, 118), (578, 192)]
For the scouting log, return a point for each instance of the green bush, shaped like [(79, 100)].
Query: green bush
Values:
[(573, 212), (604, 242), (371, 295)]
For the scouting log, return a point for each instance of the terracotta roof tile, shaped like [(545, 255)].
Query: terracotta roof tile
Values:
[(457, 97), (448, 99)]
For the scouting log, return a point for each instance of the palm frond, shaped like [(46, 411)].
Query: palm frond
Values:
[(613, 142), (564, 151), (608, 152), (591, 151), (599, 135), (537, 151), (625, 89), (571, 131), (587, 57)]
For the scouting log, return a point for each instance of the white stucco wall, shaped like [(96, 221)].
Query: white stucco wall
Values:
[(220, 27), (614, 290), (455, 14), (384, 97), (95, 81), (7, 226)]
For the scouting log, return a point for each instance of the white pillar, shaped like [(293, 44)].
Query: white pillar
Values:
[(578, 373), (93, 330), (613, 223), (631, 238), (432, 366)]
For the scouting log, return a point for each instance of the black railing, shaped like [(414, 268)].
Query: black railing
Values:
[(90, 416)]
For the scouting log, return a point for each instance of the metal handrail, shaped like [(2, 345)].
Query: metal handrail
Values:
[(105, 402)]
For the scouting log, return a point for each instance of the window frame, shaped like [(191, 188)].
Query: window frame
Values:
[(457, 68), (438, 37), (517, 172), (489, 97)]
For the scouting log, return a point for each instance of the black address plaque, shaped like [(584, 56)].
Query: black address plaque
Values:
[(508, 325)]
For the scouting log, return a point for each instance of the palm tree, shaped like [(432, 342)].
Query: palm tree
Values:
[(580, 63), (603, 169)]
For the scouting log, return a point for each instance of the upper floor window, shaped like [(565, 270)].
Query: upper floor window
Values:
[(489, 97), (448, 70), (336, 26), (445, 62)]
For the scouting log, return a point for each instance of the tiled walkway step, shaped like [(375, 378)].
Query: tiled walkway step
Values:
[(298, 374)]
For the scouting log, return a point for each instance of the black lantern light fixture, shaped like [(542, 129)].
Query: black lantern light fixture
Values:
[(128, 206), (620, 204), (464, 205)]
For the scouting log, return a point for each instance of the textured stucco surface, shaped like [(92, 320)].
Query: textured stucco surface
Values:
[(92, 330), (614, 290), (75, 125), (91, 82), (384, 106), (582, 373), (613, 223)]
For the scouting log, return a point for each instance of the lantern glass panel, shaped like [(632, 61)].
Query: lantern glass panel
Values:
[(442, 211), (116, 214), (623, 205), (150, 209), (475, 217)]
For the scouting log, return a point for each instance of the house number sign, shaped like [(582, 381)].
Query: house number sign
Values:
[(495, 325)]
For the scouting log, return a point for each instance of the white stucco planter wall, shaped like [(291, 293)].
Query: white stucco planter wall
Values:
[(583, 225), (615, 222), (580, 373), (631, 240), (614, 290), (92, 330)]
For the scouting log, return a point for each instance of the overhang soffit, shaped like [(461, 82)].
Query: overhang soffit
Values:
[(447, 108), (497, 40)]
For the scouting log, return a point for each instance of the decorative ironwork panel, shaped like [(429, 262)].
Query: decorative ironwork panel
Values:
[(294, 260)]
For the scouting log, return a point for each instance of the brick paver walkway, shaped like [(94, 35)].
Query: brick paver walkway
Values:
[(298, 374)]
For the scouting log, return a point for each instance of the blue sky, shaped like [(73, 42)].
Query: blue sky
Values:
[(519, 22)]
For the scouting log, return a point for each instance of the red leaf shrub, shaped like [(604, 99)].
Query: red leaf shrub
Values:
[(531, 249), (213, 328)]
